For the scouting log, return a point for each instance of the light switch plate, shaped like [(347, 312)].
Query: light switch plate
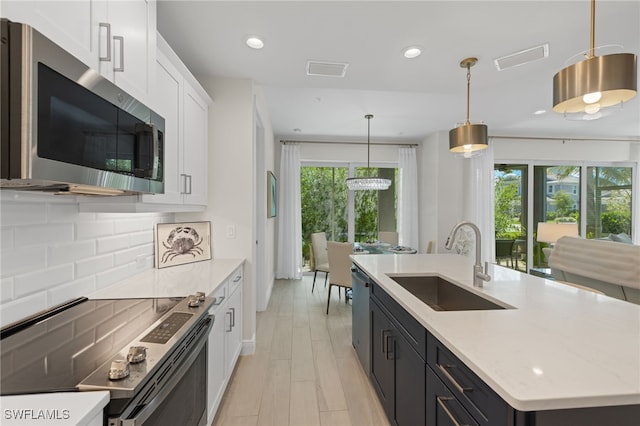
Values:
[(231, 231)]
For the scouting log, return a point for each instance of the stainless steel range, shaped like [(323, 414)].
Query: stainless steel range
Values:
[(150, 354)]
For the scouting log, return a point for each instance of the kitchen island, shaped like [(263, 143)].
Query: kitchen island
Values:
[(553, 347)]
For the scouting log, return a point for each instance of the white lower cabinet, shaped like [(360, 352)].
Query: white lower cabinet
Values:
[(225, 340)]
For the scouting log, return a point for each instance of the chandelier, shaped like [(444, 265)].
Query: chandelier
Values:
[(368, 182)]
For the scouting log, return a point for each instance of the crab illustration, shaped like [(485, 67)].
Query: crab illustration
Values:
[(181, 241)]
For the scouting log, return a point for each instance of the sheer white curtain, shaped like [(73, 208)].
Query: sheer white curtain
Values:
[(408, 198), (635, 197), (479, 199), (289, 256)]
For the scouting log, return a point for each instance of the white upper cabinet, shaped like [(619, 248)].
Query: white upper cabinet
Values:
[(117, 37), (184, 105)]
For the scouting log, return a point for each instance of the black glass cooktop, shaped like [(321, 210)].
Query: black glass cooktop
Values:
[(57, 353)]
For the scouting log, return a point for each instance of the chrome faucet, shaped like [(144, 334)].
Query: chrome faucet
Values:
[(479, 275)]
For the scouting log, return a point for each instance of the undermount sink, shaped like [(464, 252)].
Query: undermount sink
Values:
[(442, 295)]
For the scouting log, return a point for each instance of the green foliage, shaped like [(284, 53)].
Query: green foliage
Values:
[(564, 202), (615, 222), (506, 197)]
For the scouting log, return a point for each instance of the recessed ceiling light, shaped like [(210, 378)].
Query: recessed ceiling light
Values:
[(412, 52), (296, 130), (254, 42), (540, 111)]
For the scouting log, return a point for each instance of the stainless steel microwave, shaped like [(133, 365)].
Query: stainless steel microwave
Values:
[(64, 128)]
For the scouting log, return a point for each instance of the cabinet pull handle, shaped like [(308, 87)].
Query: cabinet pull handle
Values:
[(184, 183), (441, 403), (218, 301), (237, 278), (121, 40), (188, 177), (233, 317), (107, 26), (383, 346), (445, 371), (230, 324), (387, 351)]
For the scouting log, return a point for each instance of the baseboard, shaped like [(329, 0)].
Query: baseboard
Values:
[(249, 346)]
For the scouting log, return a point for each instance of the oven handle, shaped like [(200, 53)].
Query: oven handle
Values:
[(167, 387)]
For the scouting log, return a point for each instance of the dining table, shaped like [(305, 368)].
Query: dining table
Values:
[(379, 247)]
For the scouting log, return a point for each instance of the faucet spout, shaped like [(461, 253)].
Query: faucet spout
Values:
[(479, 273)]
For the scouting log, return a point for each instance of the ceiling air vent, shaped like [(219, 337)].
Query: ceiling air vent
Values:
[(522, 57), (326, 69)]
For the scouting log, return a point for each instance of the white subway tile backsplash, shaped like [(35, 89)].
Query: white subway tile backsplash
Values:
[(68, 253), (111, 244), (94, 265), (140, 238), (63, 213), (19, 308), (16, 213), (52, 252), (6, 289), (22, 259), (91, 230), (72, 290), (42, 279), (39, 234)]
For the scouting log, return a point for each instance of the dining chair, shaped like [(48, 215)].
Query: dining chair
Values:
[(339, 267), (320, 258), (388, 237)]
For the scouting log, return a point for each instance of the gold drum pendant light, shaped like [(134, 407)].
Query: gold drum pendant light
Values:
[(368, 182), (468, 138), (583, 90)]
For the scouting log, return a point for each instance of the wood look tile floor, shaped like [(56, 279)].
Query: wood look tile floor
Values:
[(305, 370)]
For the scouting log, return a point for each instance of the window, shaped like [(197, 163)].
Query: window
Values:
[(598, 198), (328, 206)]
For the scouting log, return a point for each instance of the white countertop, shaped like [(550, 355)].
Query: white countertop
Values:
[(561, 347), (175, 281), (61, 408)]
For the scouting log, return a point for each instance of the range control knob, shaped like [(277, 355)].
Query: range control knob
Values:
[(137, 354), (119, 369), (200, 295), (194, 301)]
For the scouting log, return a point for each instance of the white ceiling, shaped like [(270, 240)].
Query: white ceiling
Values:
[(410, 99)]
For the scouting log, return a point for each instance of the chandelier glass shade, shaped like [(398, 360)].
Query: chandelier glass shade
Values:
[(468, 138), (588, 89), (368, 182)]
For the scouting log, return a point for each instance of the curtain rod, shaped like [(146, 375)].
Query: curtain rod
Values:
[(545, 138), (285, 142)]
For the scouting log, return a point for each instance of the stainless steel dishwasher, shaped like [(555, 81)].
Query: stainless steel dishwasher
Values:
[(361, 327)]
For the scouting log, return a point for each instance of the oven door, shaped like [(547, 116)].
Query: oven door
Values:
[(177, 398)]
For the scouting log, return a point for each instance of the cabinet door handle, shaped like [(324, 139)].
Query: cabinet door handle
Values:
[(237, 278), (383, 341), (184, 183), (218, 301), (233, 317), (230, 324), (107, 26), (121, 40), (188, 178), (441, 403), (445, 371), (389, 354)]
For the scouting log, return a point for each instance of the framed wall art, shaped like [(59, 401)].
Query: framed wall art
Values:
[(180, 243), (272, 195)]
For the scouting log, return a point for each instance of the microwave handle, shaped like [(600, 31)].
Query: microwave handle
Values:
[(156, 151)]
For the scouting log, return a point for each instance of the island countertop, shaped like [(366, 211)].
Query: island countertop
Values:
[(558, 347)]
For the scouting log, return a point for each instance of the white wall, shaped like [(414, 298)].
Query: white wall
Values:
[(570, 150), (51, 252)]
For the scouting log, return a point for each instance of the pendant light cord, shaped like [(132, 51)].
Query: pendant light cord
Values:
[(593, 30), (468, 91), (368, 117)]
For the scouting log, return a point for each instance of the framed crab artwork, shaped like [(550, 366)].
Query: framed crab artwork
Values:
[(180, 243)]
